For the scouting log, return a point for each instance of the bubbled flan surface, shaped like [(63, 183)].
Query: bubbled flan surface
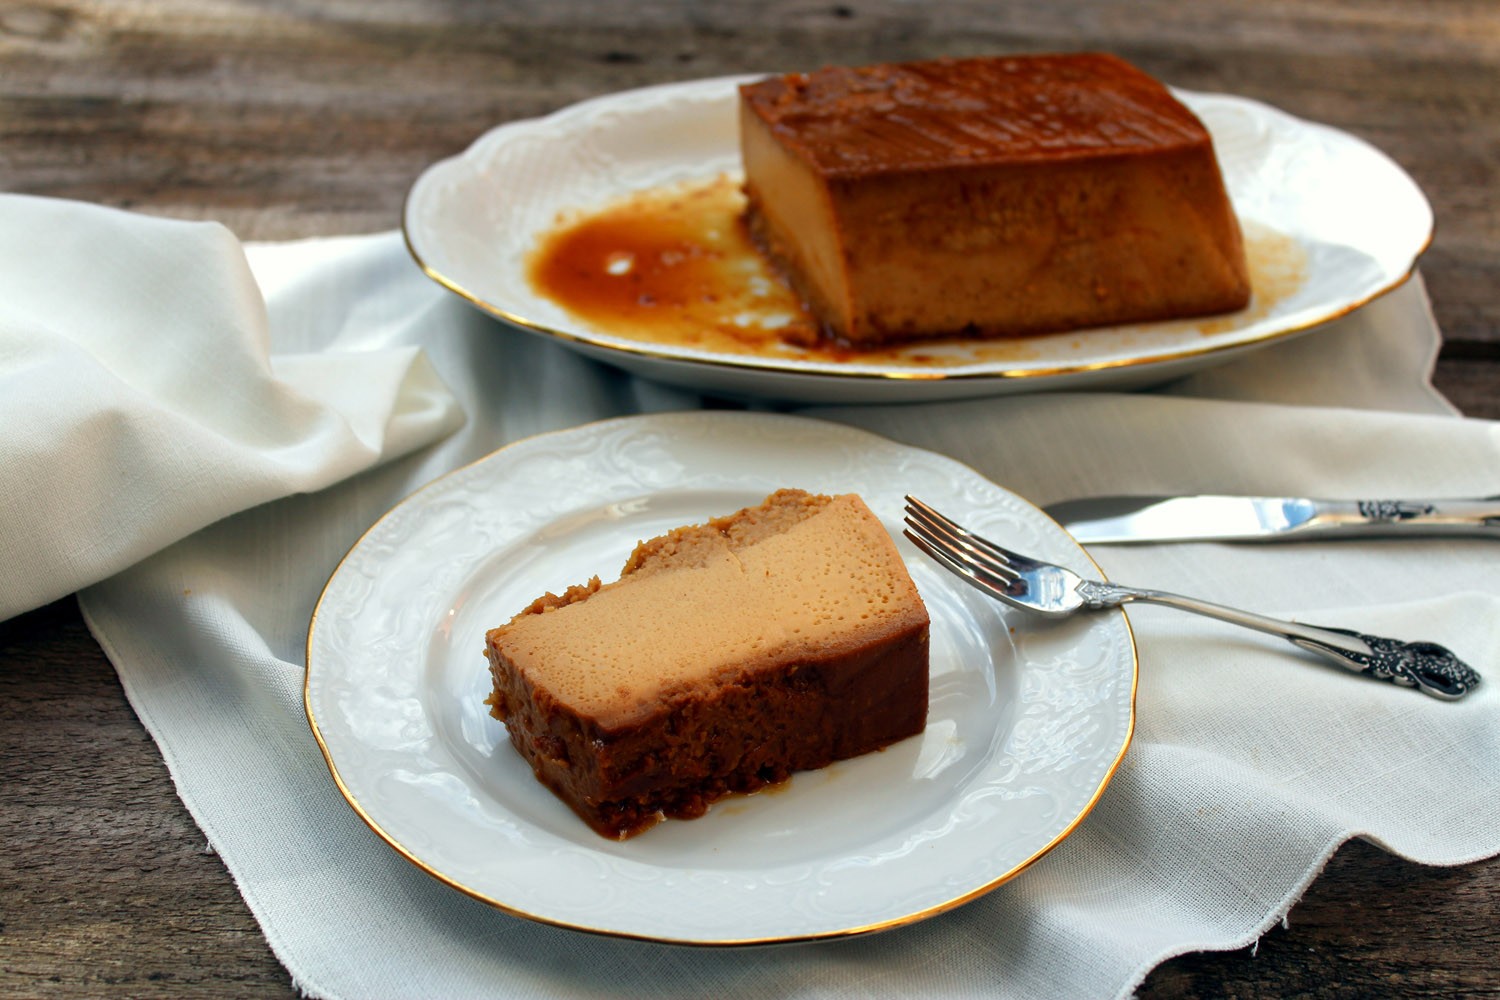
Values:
[(989, 196)]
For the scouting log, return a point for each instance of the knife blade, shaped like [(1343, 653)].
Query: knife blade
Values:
[(1122, 520)]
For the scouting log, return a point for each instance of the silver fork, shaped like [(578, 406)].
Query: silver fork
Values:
[(1048, 589)]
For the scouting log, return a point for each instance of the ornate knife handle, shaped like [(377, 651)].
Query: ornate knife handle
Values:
[(1380, 517)]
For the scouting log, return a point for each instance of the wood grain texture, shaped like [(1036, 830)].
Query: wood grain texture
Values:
[(287, 118)]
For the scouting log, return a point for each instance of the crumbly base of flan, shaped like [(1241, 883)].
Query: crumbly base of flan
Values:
[(626, 731), (988, 198)]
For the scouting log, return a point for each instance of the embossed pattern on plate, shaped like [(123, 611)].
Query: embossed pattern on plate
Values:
[(1027, 721), (1356, 218)]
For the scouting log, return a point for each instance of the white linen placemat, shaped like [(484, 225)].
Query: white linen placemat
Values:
[(1249, 766)]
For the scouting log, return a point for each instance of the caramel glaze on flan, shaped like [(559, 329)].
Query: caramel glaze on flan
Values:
[(990, 196), (779, 638)]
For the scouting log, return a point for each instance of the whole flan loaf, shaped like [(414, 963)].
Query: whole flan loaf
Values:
[(780, 638), (991, 196)]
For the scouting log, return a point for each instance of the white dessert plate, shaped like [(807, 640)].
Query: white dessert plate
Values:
[(1331, 223), (1027, 722)]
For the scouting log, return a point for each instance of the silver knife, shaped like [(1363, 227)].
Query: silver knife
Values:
[(1135, 519)]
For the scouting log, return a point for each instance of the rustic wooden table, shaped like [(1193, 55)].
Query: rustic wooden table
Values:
[(287, 118)]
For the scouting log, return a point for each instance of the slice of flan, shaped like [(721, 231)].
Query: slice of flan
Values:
[(728, 655), (988, 197)]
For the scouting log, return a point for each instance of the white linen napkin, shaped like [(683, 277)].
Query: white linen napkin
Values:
[(142, 400), (1249, 766)]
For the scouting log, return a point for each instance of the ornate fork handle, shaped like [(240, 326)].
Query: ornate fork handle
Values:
[(1426, 666)]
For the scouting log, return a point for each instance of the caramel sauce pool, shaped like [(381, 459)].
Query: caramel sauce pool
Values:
[(676, 266)]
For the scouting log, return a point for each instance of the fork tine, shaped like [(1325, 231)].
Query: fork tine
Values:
[(941, 551), (961, 551), (994, 558)]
